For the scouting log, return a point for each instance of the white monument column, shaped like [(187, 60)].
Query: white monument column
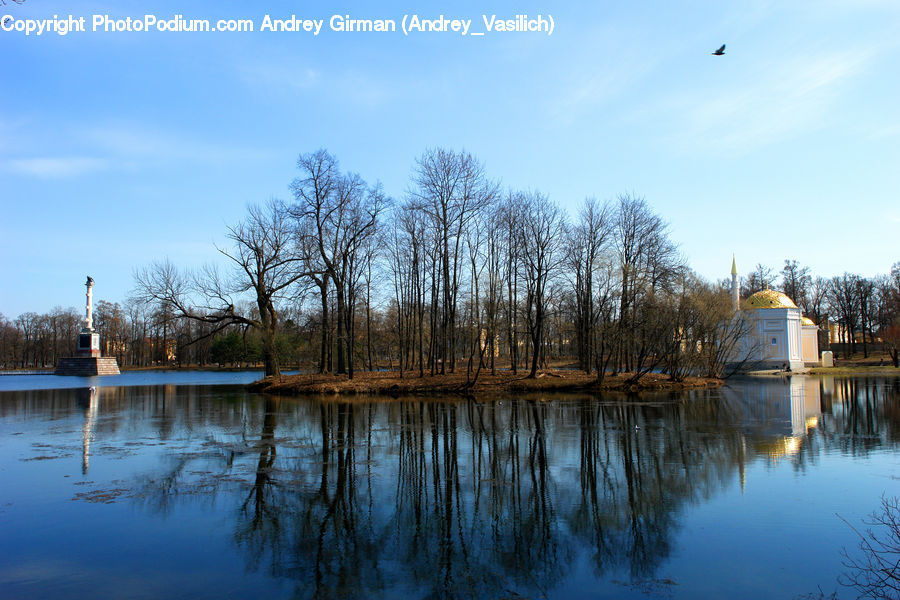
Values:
[(88, 339), (88, 360), (88, 309)]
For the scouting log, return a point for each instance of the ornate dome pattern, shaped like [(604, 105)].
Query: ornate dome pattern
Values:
[(768, 299)]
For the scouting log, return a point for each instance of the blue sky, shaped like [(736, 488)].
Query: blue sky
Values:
[(120, 148)]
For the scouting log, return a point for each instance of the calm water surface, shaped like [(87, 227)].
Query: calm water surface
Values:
[(133, 490), (129, 378)]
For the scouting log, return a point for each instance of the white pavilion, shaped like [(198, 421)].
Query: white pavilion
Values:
[(780, 336)]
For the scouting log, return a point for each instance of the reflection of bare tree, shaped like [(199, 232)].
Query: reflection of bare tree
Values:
[(463, 499), (876, 573), (860, 414), (259, 525), (639, 465)]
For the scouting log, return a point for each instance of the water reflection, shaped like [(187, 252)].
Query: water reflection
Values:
[(863, 418), (796, 417), (89, 399), (464, 499)]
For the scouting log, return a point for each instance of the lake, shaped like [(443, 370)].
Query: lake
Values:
[(184, 485)]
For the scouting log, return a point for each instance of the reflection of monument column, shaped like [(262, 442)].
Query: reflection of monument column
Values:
[(87, 430)]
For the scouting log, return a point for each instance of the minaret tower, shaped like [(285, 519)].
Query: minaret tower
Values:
[(735, 289)]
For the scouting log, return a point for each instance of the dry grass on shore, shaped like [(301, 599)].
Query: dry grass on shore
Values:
[(877, 363), (390, 383)]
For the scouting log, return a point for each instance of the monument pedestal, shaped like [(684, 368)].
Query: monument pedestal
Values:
[(88, 344), (87, 366)]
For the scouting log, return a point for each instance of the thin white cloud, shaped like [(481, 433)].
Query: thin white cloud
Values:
[(604, 72), (781, 99), (107, 145), (289, 78), (131, 141), (48, 167), (881, 131), (588, 91)]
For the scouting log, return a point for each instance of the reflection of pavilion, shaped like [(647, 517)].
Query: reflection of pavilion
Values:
[(89, 398), (777, 413)]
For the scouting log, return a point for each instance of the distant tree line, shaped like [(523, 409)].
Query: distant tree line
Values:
[(458, 276), (136, 337)]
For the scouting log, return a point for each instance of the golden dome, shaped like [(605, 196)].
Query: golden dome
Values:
[(768, 299), (807, 321)]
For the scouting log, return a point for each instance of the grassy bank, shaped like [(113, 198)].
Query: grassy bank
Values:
[(390, 383), (877, 363), (855, 370)]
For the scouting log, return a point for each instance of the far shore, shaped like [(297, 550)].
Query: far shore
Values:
[(855, 370), (562, 378), (411, 384)]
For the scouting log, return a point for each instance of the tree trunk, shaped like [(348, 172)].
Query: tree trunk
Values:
[(323, 359), (270, 356), (369, 318), (536, 344), (349, 331), (341, 332)]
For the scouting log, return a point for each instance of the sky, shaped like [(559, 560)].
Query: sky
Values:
[(121, 148)]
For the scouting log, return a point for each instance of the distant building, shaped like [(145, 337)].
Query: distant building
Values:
[(838, 334), (779, 336)]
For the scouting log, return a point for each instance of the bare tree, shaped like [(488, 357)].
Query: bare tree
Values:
[(586, 249), (406, 250), (876, 574), (795, 281), (495, 258), (476, 343), (844, 300), (10, 340), (336, 213), (888, 312), (815, 306), (648, 264), (510, 222), (761, 278), (542, 234), (451, 188), (607, 333), (713, 340), (308, 249), (27, 323), (865, 289), (264, 265)]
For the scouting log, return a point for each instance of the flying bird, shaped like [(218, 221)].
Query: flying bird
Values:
[(720, 51)]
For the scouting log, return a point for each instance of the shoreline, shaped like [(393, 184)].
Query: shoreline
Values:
[(855, 370), (885, 370), (391, 384)]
